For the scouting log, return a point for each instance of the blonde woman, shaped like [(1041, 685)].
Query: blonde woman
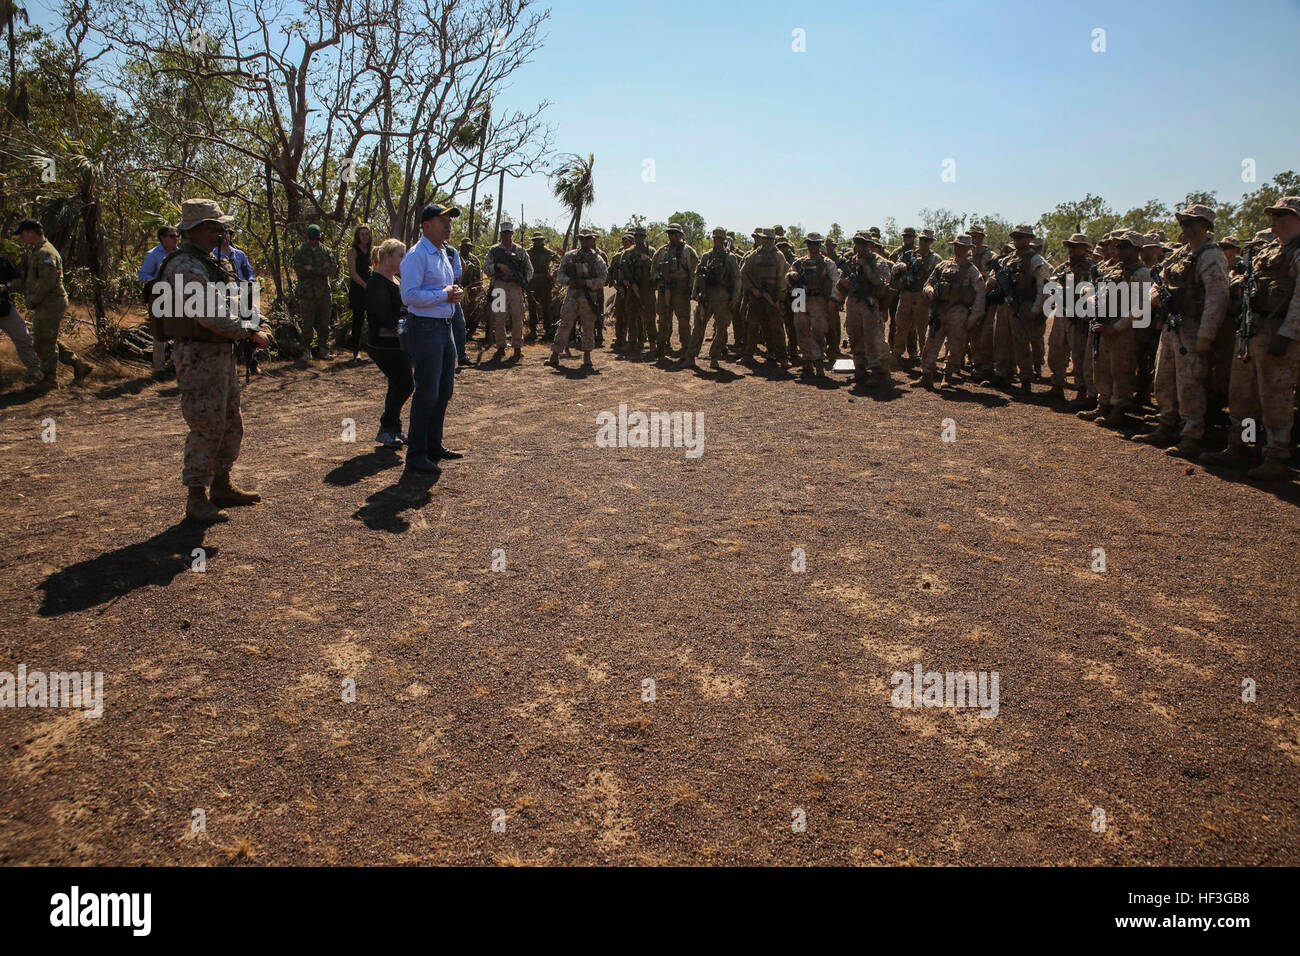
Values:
[(383, 309)]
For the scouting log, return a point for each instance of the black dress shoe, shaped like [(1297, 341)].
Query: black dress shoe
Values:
[(422, 463), (449, 455)]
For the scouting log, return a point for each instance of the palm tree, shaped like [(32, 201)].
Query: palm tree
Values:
[(10, 11), (473, 130), (571, 183)]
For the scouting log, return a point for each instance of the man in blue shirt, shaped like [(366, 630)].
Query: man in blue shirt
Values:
[(168, 237), (238, 259), (430, 294)]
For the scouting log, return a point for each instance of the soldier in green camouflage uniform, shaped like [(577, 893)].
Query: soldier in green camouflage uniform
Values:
[(43, 291), (541, 285), (717, 287), (316, 268)]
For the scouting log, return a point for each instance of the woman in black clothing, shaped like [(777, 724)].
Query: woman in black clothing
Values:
[(384, 306), (358, 276)]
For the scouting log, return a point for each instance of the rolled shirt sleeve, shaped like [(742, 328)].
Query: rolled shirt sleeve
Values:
[(426, 272), (1212, 272)]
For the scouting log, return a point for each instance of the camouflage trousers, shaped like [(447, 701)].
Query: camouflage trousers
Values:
[(1115, 369), (717, 304), (952, 329), (1180, 382), (641, 315), (810, 326), (1012, 348), (539, 306), (834, 334), (1264, 388), (670, 302), (866, 335), (1219, 375), (46, 321), (981, 342), (765, 316), (1070, 344), (315, 314), (912, 317), (575, 308), (209, 385), (506, 300)]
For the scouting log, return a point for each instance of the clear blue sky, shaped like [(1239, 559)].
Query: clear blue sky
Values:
[(745, 131)]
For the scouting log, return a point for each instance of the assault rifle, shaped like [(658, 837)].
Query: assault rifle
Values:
[(935, 308), (1246, 326), (1173, 320), (1006, 290)]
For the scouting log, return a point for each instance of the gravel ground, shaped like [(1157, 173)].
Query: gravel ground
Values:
[(521, 690)]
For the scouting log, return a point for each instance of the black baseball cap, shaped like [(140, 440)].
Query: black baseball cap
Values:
[(433, 210), (29, 224)]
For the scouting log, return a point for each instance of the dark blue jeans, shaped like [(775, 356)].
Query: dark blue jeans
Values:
[(458, 332), (428, 343)]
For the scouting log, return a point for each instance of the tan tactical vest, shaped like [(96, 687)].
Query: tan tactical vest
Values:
[(1188, 292), (767, 267), (816, 282), (1274, 285), (953, 283), (182, 327)]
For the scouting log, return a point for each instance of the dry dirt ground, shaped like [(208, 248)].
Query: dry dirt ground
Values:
[(522, 690)]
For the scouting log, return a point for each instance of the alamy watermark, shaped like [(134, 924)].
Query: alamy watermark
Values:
[(80, 689), (656, 429), (1098, 300), (190, 298), (956, 689)]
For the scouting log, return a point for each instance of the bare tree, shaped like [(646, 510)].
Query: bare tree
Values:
[(319, 83)]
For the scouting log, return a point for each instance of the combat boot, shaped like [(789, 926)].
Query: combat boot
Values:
[(80, 370), (500, 354), (1117, 417), (1161, 436), (553, 361), (1271, 470), (516, 355), (1056, 393), (1187, 448), (1084, 402), (226, 495), (927, 380), (819, 369), (1235, 454), (807, 370), (1092, 414), (199, 508), (586, 360)]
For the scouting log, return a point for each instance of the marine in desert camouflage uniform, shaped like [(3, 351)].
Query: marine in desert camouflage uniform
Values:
[(1068, 340), (717, 289), (204, 356), (1197, 276), (1264, 385)]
